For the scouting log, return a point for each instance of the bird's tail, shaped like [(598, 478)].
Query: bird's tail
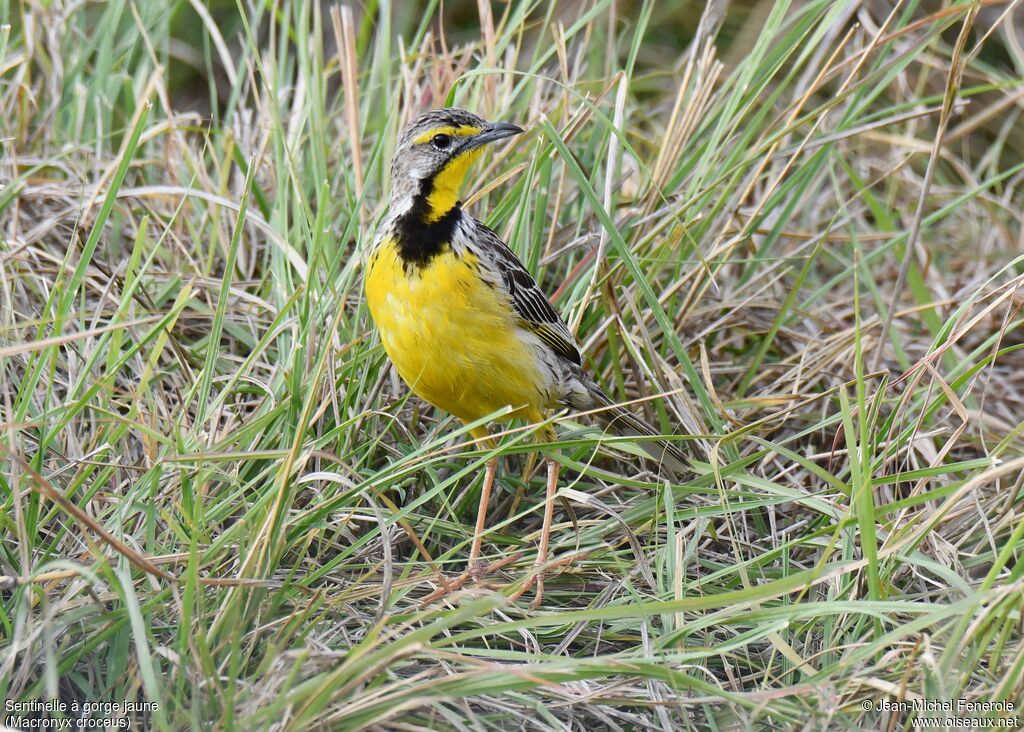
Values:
[(624, 422)]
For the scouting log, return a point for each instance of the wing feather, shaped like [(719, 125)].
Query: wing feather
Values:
[(535, 312)]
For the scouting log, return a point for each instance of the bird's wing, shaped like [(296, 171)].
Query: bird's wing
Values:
[(535, 312)]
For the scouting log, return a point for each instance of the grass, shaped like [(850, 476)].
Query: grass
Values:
[(790, 234)]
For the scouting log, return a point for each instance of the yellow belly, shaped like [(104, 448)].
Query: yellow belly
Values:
[(451, 337)]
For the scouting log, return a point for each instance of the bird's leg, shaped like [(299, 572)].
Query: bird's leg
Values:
[(475, 569), (481, 513), (545, 532), (537, 578)]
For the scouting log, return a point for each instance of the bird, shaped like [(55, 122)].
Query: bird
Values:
[(462, 320)]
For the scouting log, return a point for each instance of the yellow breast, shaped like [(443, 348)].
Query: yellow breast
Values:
[(453, 338)]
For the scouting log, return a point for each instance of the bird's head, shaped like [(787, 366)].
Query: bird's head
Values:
[(433, 155)]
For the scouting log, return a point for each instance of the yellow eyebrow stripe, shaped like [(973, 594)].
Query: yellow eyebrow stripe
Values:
[(460, 131)]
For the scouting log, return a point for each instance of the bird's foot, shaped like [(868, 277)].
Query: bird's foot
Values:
[(474, 575), (536, 579)]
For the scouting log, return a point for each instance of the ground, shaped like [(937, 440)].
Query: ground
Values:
[(788, 234)]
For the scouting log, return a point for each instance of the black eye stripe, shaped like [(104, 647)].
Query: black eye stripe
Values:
[(441, 142)]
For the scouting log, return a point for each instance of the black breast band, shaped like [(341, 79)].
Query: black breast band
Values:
[(420, 240)]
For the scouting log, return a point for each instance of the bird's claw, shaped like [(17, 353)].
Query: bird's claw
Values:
[(474, 574)]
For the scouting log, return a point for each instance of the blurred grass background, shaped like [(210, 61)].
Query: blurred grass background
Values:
[(797, 224)]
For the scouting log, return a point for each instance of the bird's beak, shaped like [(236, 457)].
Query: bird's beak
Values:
[(492, 133)]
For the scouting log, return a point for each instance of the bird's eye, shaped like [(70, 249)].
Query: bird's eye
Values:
[(441, 142)]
